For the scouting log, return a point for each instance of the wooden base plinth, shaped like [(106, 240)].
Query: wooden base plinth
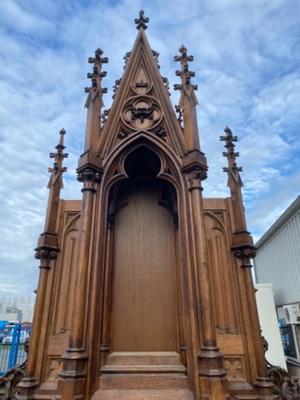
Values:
[(72, 379), (265, 389), (212, 375), (71, 389), (27, 387)]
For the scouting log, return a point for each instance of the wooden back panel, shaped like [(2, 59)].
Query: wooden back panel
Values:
[(144, 304)]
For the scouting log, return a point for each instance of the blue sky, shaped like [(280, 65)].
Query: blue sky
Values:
[(247, 69)]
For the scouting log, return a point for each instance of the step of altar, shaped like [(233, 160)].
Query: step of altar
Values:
[(144, 394), (143, 381), (143, 361), (143, 375)]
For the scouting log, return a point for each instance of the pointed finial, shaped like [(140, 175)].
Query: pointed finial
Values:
[(231, 155), (60, 146), (141, 21), (156, 55), (59, 155), (116, 87), (97, 74), (184, 73)]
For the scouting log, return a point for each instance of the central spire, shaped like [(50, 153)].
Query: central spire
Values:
[(141, 21)]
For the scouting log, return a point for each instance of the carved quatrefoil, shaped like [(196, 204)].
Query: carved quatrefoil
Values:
[(141, 113)]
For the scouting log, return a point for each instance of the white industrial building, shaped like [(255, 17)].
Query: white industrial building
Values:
[(278, 262), (18, 308)]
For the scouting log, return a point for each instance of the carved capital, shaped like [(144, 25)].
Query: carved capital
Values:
[(90, 177), (45, 253), (47, 249), (195, 166), (244, 252), (194, 178)]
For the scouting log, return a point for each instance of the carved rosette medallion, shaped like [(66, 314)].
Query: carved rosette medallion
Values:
[(235, 368), (141, 113)]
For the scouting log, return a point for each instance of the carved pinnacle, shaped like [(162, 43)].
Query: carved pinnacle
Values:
[(179, 111), (57, 170), (103, 116), (126, 58), (97, 74), (156, 55), (141, 21), (184, 73), (230, 154), (116, 87)]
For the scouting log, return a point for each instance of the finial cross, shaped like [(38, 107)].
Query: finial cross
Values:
[(184, 73), (141, 21), (230, 154), (97, 74)]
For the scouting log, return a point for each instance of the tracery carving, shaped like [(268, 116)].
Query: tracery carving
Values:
[(123, 133), (141, 112), (218, 217)]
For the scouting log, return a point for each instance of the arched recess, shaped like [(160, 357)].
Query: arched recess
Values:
[(221, 275), (142, 302)]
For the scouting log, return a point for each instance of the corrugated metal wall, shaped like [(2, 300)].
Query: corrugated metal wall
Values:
[(278, 261)]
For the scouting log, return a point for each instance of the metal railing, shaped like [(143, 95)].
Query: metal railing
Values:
[(12, 352)]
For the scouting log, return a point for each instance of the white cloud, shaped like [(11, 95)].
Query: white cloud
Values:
[(16, 17), (246, 64)]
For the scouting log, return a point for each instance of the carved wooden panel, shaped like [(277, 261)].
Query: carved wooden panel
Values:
[(221, 273), (66, 274), (234, 360), (144, 275)]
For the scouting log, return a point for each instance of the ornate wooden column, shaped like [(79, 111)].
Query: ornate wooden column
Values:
[(74, 360), (46, 252), (72, 383), (244, 250), (213, 382)]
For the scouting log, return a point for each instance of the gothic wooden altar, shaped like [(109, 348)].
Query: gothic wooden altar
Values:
[(145, 289)]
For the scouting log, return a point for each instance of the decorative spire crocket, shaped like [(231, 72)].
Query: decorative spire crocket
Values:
[(94, 102), (141, 21), (97, 74), (184, 73), (233, 170), (57, 170), (188, 101)]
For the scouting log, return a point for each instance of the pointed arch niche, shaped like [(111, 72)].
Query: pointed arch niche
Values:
[(141, 275)]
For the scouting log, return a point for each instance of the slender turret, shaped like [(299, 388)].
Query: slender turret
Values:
[(244, 250), (46, 251), (242, 246)]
